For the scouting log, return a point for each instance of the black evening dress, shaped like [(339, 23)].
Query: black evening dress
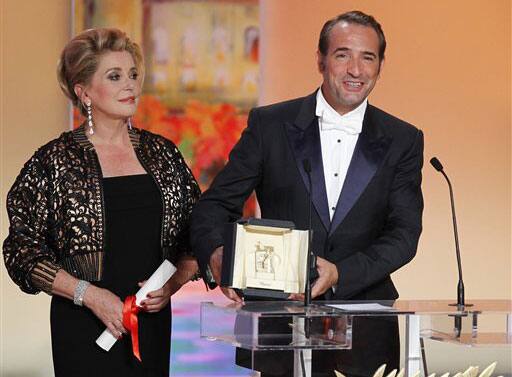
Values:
[(133, 213)]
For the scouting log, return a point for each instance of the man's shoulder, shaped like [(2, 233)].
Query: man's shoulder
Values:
[(284, 110), (288, 104), (391, 122)]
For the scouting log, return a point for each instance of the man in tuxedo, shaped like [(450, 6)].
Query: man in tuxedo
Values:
[(366, 189)]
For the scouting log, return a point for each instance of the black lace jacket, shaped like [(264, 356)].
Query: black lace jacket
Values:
[(56, 208)]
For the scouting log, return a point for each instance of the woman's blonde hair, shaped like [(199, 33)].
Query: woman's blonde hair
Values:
[(80, 58)]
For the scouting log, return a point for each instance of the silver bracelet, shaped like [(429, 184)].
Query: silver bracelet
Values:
[(78, 296)]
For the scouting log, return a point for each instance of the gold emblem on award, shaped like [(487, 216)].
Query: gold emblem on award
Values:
[(266, 260), (267, 257)]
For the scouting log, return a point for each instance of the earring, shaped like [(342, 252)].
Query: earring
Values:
[(129, 123), (90, 124)]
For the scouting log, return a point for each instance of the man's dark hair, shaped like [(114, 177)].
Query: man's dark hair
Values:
[(353, 17)]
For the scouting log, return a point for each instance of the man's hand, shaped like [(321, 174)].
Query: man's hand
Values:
[(327, 278), (216, 267)]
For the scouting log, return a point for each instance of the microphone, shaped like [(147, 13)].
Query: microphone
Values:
[(307, 291), (460, 286), (309, 260), (437, 165)]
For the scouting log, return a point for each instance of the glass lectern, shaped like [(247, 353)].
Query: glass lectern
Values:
[(288, 325)]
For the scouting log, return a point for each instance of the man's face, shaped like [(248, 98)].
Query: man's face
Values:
[(351, 66)]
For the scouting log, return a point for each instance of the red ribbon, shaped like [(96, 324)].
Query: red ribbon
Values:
[(131, 323)]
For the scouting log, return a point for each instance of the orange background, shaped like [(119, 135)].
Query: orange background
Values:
[(448, 71)]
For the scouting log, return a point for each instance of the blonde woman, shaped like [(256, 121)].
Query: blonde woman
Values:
[(95, 211)]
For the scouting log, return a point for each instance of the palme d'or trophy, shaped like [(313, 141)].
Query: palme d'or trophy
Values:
[(264, 258)]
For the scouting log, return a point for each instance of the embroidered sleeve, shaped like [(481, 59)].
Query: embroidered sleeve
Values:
[(29, 261)]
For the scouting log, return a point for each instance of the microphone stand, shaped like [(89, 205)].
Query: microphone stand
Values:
[(460, 285), (307, 290), (310, 259)]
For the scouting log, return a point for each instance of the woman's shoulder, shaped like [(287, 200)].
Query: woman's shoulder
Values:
[(50, 151), (160, 149), (156, 141), (151, 136), (46, 158)]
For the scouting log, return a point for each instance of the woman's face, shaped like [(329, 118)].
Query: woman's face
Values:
[(115, 87)]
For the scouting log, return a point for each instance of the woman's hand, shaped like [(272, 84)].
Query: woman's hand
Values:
[(107, 307), (157, 300), (104, 304)]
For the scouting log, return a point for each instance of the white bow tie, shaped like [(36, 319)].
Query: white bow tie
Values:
[(350, 125)]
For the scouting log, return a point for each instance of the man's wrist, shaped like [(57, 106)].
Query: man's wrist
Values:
[(216, 256), (335, 284)]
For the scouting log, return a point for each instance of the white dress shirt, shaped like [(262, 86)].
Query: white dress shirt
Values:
[(338, 138)]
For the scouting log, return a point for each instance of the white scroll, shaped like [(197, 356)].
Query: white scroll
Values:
[(106, 340)]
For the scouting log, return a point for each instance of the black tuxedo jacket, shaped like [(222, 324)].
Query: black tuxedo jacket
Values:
[(377, 222)]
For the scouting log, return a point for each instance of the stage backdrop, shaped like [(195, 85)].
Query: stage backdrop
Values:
[(201, 71)]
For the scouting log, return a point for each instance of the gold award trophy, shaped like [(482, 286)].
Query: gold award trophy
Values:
[(270, 258)]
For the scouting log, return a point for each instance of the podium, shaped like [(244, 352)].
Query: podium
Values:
[(327, 325)]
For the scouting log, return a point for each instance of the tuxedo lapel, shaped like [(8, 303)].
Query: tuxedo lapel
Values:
[(369, 153), (304, 137)]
